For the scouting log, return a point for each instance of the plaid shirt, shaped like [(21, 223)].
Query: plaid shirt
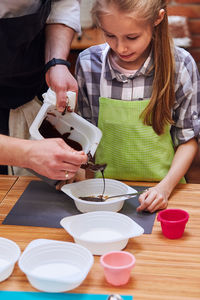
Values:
[(186, 110)]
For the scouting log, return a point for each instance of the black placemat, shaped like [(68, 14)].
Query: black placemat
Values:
[(41, 205)]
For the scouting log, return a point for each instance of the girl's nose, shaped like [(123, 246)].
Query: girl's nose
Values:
[(121, 47)]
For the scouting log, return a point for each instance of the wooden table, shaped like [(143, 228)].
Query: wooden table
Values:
[(165, 269), (6, 183)]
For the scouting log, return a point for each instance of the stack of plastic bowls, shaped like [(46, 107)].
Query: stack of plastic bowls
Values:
[(54, 266), (9, 254)]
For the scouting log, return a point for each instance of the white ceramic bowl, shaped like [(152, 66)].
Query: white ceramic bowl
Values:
[(55, 266), (94, 187), (9, 254), (101, 231)]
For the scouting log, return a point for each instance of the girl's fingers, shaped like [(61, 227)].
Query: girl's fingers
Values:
[(159, 206), (145, 200), (143, 196), (152, 200), (158, 203)]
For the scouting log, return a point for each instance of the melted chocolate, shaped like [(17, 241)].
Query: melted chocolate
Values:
[(47, 130), (95, 168), (104, 184), (92, 199)]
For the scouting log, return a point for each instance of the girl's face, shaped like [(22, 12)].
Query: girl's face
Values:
[(128, 37)]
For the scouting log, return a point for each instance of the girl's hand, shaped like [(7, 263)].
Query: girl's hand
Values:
[(152, 200)]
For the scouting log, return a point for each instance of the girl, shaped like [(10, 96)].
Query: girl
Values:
[(144, 94)]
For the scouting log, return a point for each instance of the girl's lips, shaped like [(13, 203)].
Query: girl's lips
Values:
[(126, 56)]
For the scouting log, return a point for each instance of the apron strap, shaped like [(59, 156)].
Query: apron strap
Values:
[(105, 91)]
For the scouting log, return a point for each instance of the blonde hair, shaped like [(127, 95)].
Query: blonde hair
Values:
[(158, 112)]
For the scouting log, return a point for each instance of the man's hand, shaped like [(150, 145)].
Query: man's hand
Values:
[(53, 158), (60, 80)]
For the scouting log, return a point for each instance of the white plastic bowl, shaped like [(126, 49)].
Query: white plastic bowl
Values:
[(9, 254), (54, 266), (94, 187), (101, 231)]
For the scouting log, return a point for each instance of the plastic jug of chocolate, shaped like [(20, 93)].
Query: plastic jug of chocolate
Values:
[(76, 131), (70, 124)]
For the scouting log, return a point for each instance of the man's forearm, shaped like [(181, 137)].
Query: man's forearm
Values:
[(13, 151), (58, 41)]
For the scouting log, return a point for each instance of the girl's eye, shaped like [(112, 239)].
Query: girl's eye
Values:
[(132, 38), (109, 35)]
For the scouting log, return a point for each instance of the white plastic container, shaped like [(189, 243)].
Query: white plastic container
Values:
[(101, 231), (81, 131), (9, 254), (94, 187), (55, 266)]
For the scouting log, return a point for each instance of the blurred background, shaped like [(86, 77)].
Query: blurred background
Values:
[(190, 9)]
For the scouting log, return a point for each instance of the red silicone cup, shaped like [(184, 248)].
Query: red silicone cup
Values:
[(173, 222), (117, 266)]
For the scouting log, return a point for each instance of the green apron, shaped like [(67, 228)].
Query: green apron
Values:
[(132, 150)]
